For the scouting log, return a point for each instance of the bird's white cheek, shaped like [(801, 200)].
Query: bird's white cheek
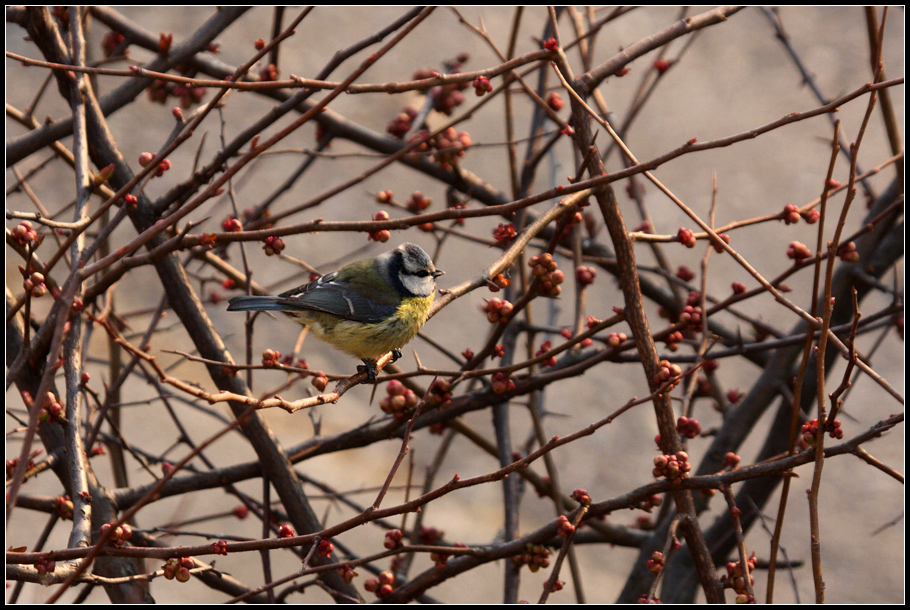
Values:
[(419, 286)]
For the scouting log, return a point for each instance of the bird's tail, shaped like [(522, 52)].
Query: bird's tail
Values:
[(254, 303)]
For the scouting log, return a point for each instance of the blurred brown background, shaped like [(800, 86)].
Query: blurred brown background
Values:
[(736, 76)]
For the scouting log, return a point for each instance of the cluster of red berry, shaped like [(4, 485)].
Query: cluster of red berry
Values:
[(672, 467), (536, 556), (178, 569), (399, 401), (735, 578), (544, 267)]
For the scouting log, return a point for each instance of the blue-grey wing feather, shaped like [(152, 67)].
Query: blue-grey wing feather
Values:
[(335, 297)]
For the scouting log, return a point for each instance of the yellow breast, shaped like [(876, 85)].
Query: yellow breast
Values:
[(370, 341)]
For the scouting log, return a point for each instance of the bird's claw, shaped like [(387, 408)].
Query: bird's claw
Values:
[(369, 367)]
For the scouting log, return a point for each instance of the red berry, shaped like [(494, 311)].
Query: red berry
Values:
[(684, 273), (790, 215), (554, 101), (798, 251), (661, 65), (686, 237)]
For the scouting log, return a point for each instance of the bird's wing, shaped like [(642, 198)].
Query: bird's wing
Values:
[(337, 297)]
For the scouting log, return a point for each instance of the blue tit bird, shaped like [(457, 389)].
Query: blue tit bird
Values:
[(366, 309)]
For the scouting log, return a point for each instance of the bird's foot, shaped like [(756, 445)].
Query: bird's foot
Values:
[(396, 355), (369, 367)]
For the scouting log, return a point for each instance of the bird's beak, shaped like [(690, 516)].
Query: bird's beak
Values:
[(437, 273)]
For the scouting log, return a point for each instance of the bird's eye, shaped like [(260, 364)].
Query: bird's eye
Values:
[(423, 273)]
